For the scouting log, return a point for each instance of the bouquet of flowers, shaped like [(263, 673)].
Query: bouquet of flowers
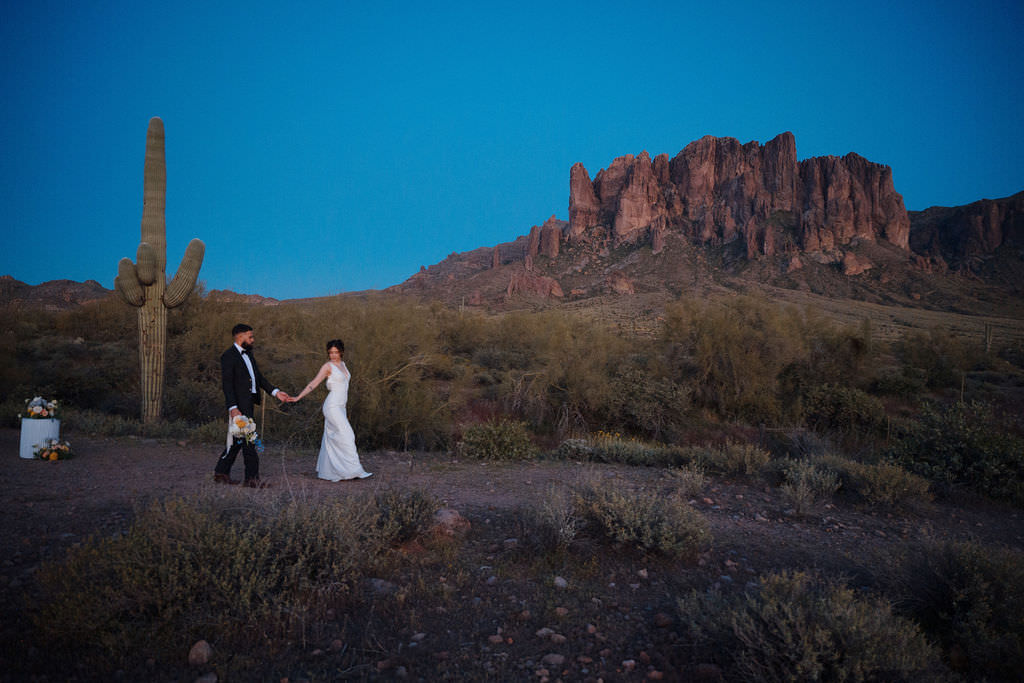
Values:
[(39, 408), (243, 427), (54, 449)]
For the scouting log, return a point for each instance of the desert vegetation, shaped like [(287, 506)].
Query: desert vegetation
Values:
[(775, 398)]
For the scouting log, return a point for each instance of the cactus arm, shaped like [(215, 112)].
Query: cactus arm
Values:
[(145, 259), (185, 279), (127, 283)]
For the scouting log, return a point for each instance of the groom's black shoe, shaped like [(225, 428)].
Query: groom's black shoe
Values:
[(224, 479), (257, 484)]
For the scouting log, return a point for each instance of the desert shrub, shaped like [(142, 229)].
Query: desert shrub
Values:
[(611, 447), (938, 355), (751, 359), (807, 482), (647, 403), (206, 568), (193, 401), (99, 423), (795, 628), (963, 444), (690, 480), (881, 483), (831, 407), (733, 458), (650, 521), (904, 383), (574, 449), (552, 524), (404, 515), (968, 598), (500, 439), (731, 353)]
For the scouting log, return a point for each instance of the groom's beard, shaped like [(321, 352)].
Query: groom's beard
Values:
[(247, 346)]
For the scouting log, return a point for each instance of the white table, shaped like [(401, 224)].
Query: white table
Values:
[(35, 432)]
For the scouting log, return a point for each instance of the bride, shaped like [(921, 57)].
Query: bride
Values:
[(338, 457)]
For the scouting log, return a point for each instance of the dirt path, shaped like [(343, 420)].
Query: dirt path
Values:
[(47, 506)]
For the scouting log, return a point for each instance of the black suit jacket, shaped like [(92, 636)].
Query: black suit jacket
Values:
[(237, 384)]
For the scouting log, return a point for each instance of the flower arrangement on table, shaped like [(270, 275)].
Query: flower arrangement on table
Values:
[(39, 408), (243, 427), (54, 449)]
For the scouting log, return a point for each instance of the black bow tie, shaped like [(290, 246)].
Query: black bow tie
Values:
[(244, 352)]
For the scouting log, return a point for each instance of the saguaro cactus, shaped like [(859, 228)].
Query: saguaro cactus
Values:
[(143, 283)]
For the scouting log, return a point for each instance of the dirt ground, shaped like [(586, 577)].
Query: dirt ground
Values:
[(47, 507)]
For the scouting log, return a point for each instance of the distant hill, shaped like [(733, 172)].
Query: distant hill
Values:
[(58, 295), (54, 295)]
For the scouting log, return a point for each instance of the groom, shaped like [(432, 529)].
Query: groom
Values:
[(242, 381)]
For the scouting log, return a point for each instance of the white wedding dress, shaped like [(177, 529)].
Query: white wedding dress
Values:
[(338, 457)]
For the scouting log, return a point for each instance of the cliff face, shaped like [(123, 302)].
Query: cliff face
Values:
[(958, 236), (717, 190), (831, 224)]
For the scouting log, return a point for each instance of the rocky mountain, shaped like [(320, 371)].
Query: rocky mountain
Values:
[(964, 237), (717, 190), (722, 209), (54, 295)]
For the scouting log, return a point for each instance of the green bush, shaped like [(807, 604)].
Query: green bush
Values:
[(499, 439), (963, 444), (830, 407), (794, 628), (650, 521), (968, 598)]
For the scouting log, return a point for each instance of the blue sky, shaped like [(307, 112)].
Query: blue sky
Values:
[(326, 147)]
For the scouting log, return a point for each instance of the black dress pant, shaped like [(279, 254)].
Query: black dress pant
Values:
[(249, 456)]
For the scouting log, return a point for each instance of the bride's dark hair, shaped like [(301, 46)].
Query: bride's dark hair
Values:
[(336, 344)]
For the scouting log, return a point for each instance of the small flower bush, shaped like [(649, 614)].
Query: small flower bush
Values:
[(39, 408), (54, 449)]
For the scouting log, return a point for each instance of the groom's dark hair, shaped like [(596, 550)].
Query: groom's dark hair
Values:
[(240, 328)]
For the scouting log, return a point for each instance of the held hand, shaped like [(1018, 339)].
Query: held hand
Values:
[(283, 397), (235, 412)]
